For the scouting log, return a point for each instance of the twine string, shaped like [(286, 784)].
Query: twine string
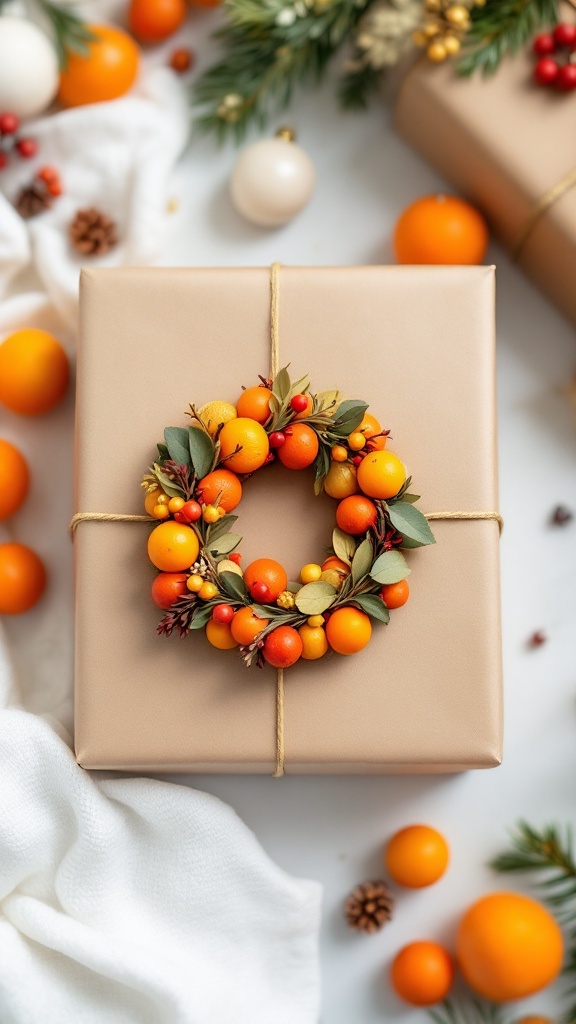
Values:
[(539, 208)]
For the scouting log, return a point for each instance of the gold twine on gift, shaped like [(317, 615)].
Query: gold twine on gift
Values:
[(110, 517), (539, 208)]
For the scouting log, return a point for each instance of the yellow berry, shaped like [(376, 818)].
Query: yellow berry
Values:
[(194, 583), (314, 642), (221, 511), (207, 591), (315, 620), (339, 453), (458, 15), (175, 504), (419, 38), (162, 499), (356, 441), (210, 514), (160, 512), (151, 500), (451, 45), (437, 52), (310, 573)]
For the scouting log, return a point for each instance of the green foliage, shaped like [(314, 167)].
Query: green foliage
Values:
[(473, 1011), (71, 33), (503, 27)]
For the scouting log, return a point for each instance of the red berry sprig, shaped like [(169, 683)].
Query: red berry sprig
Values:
[(12, 142), (549, 70)]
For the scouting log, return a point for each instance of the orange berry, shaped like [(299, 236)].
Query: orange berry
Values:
[(173, 547), (151, 21), (440, 229), (167, 588), (160, 511), (371, 427), (314, 642), (395, 595), (416, 856), (175, 504), (508, 946), (310, 572), (151, 500), (356, 441), (282, 647), (348, 630), (195, 583), (220, 486), (268, 572), (104, 71), (254, 403), (219, 635), (22, 579), (339, 453), (252, 441), (333, 562), (246, 625), (300, 447), (422, 973), (207, 591), (356, 514), (381, 474), (14, 479), (34, 372)]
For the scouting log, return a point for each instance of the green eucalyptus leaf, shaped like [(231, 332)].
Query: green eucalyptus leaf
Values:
[(163, 452), (281, 385), (321, 466), (262, 612), (362, 561), (201, 616), (220, 528), (176, 439), (315, 598), (328, 400), (224, 544), (167, 485), (344, 545), (300, 386), (293, 588), (233, 585), (201, 448), (390, 567), (410, 522), (373, 606), (348, 417), (410, 498)]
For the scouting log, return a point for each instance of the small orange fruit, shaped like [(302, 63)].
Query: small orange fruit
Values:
[(356, 514), (422, 973), (534, 1019), (307, 410), (266, 572), (252, 441), (371, 427), (300, 447), (310, 572), (333, 562), (173, 547), (416, 856), (151, 500), (34, 372), (395, 595), (107, 69), (314, 642), (508, 947), (440, 229), (22, 579), (167, 588), (14, 478), (356, 441), (339, 453), (219, 635), (254, 403), (282, 647), (348, 630), (381, 474), (151, 21), (340, 480), (220, 486), (246, 625)]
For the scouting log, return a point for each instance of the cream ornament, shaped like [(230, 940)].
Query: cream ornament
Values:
[(272, 181), (28, 68)]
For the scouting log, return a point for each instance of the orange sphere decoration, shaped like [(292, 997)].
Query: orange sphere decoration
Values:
[(356, 514), (395, 595), (254, 403), (244, 445), (381, 474), (268, 572), (422, 973), (246, 625), (34, 372), (172, 547), (220, 486), (14, 478), (440, 229), (348, 630), (300, 448), (151, 21), (416, 856), (282, 647), (167, 588), (106, 71), (508, 947), (22, 579)]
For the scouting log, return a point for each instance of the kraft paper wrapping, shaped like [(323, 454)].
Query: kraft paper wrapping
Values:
[(504, 143), (418, 345)]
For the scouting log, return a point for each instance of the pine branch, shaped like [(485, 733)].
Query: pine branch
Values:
[(473, 1011), (503, 27), (548, 856), (70, 31), (357, 86)]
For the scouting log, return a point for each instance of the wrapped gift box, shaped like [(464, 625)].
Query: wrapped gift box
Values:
[(417, 344), (508, 145)]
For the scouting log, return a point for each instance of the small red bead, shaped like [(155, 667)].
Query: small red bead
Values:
[(48, 174), (546, 71), (544, 44), (191, 511), (299, 403), (9, 124), (260, 592), (3, 160), (566, 78), (181, 60), (357, 460), (277, 439), (27, 148), (236, 557), (565, 35), (223, 613), (54, 188)]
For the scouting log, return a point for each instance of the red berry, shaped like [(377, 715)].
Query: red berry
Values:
[(191, 511), (48, 174), (277, 439), (260, 592), (299, 403), (357, 460), (9, 124), (565, 35), (27, 148), (223, 613), (544, 44), (546, 71), (3, 160), (54, 188), (566, 78), (181, 60), (235, 557)]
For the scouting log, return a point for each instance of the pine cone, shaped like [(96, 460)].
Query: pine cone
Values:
[(33, 200), (92, 233), (369, 907)]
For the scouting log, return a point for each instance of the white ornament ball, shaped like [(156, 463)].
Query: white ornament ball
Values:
[(272, 181), (28, 68)]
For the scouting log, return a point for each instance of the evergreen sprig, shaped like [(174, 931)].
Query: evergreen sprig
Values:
[(474, 1011), (70, 31), (502, 27)]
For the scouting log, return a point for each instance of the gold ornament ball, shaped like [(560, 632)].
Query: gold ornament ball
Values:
[(451, 45), (431, 29), (437, 52), (458, 15), (419, 38)]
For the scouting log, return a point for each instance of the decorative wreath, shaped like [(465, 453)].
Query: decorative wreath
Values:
[(196, 483)]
